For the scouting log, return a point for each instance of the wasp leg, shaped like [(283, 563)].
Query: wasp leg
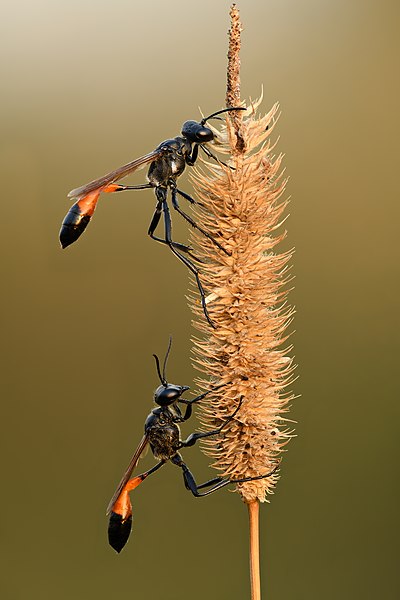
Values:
[(193, 437), (208, 152), (162, 197), (186, 196), (114, 187), (153, 226), (190, 483), (189, 198), (188, 411), (190, 160), (245, 479), (192, 222), (217, 483)]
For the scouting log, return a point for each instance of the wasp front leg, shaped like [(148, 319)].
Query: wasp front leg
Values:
[(188, 411), (191, 158)]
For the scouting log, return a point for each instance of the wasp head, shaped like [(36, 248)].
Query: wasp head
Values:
[(169, 393), (197, 132)]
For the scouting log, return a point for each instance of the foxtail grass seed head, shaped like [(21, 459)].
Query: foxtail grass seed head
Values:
[(244, 210)]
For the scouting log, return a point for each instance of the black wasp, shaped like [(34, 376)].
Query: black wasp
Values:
[(161, 432), (167, 163)]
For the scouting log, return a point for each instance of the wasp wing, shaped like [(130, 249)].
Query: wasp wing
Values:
[(87, 196), (116, 175), (128, 472)]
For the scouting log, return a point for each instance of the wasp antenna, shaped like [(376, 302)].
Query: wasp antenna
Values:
[(158, 370), (214, 115), (166, 357)]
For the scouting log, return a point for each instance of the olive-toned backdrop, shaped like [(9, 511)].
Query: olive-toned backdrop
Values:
[(88, 85)]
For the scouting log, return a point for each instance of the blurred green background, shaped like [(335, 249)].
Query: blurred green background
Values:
[(88, 85)]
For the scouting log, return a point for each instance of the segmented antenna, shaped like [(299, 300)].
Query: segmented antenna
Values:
[(158, 370), (162, 377), (166, 357), (214, 115)]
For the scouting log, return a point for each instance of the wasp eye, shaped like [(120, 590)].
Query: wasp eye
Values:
[(205, 134)]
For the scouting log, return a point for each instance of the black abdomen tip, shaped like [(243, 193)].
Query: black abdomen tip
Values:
[(118, 531), (71, 231)]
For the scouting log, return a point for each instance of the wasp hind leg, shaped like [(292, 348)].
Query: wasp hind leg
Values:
[(153, 226), (190, 483), (189, 219), (216, 483), (161, 195)]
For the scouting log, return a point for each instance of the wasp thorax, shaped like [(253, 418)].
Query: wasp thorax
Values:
[(167, 394), (196, 132)]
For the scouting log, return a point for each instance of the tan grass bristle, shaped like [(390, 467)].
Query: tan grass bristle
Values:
[(243, 209)]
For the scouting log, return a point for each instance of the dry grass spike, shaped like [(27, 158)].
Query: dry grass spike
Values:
[(244, 208)]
